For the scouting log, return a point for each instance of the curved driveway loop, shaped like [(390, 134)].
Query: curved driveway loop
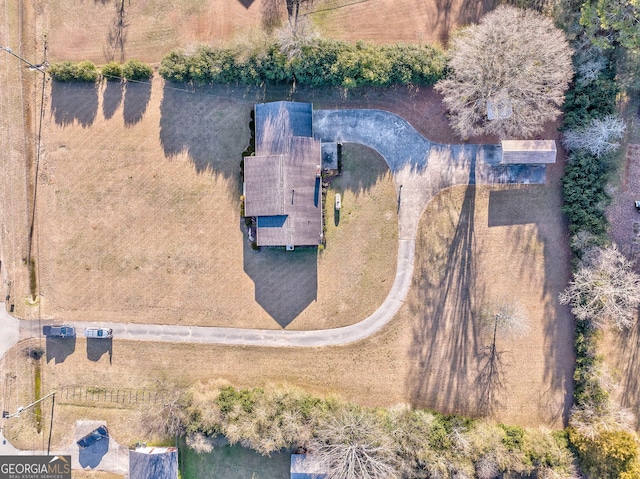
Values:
[(420, 168)]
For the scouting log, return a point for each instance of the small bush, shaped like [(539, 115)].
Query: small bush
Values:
[(112, 71), (610, 455), (74, 72), (136, 70)]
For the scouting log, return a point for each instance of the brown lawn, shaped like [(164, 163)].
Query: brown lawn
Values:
[(139, 203), (104, 30), (387, 21), (472, 253)]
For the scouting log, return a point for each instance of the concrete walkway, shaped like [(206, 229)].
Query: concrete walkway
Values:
[(420, 168)]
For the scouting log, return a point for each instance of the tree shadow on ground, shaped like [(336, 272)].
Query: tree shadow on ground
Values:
[(286, 282), (208, 124), (74, 102), (471, 11), (136, 99), (445, 341), (112, 98), (96, 348), (516, 206), (117, 36), (541, 205), (490, 381), (628, 363), (59, 349)]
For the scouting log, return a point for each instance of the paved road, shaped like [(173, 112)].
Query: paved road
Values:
[(421, 169)]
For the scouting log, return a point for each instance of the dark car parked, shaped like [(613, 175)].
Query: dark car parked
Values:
[(94, 436)]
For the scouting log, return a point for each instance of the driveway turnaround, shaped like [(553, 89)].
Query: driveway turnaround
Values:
[(421, 169)]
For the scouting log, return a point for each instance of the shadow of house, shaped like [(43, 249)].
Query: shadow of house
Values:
[(153, 463), (246, 3), (136, 99), (286, 282), (58, 349), (74, 102), (96, 348), (112, 98)]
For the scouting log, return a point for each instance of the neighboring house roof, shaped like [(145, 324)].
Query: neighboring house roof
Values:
[(304, 467), (281, 183), (153, 463)]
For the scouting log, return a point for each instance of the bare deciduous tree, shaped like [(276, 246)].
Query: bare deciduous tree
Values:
[(590, 422), (352, 446), (517, 62), (604, 289), (168, 417), (295, 35), (200, 443), (599, 137)]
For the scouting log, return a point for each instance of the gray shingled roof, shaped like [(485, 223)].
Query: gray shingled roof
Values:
[(280, 180)]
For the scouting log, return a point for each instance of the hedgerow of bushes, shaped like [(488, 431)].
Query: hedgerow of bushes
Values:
[(86, 71), (420, 443), (74, 72), (321, 63), (585, 174)]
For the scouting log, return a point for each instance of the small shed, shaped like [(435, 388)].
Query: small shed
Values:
[(304, 467), (499, 108), (528, 152), (153, 463)]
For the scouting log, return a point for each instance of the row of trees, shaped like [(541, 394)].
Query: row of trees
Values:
[(605, 290), (316, 62), (86, 71), (353, 442)]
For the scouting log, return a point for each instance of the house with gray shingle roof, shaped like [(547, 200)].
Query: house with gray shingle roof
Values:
[(282, 182)]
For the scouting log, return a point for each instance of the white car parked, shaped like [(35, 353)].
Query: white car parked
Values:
[(101, 333)]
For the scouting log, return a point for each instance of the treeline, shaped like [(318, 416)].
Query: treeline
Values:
[(397, 442), (86, 71), (320, 63), (603, 287)]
